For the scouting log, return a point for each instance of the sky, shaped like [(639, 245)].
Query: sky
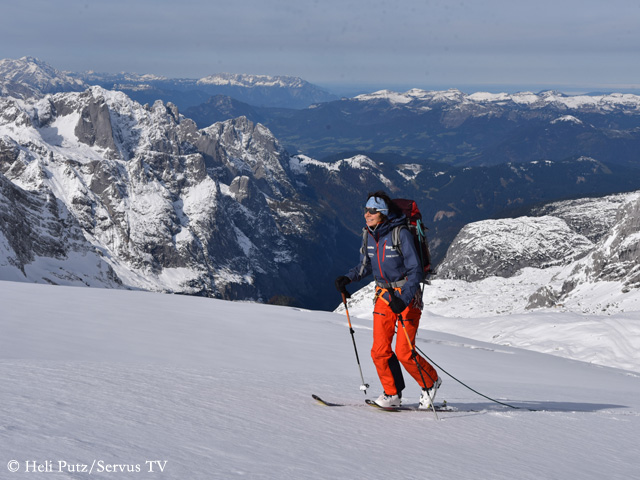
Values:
[(501, 45)]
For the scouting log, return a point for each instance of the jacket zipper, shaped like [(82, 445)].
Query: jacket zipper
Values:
[(378, 255)]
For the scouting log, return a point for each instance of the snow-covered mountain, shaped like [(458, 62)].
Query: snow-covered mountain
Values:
[(614, 260), (41, 241), (265, 90), (504, 247), (225, 210), (244, 80), (575, 247), (28, 76), (467, 129), (167, 206), (451, 197), (258, 90), (484, 103)]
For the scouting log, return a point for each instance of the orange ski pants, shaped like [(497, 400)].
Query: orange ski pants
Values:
[(385, 323)]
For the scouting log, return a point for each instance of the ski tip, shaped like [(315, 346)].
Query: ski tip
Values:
[(325, 403)]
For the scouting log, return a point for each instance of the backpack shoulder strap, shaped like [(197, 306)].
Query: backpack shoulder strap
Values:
[(395, 237), (363, 251), (363, 248)]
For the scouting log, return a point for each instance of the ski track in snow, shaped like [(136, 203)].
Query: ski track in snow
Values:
[(222, 390)]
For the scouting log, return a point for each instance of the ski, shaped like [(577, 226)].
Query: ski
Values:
[(327, 404), (442, 407)]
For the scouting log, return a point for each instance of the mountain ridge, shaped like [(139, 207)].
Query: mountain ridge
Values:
[(172, 208), (459, 129), (554, 238), (32, 77), (226, 210)]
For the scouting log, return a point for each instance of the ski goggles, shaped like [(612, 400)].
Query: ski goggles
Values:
[(371, 211)]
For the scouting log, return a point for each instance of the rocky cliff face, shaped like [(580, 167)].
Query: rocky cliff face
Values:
[(594, 240), (616, 258), (41, 241), (504, 247), (169, 207)]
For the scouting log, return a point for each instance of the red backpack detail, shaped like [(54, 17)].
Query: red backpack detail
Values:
[(414, 223)]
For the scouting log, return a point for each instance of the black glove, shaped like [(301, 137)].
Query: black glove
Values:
[(396, 305), (341, 284)]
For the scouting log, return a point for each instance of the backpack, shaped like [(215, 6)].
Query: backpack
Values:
[(414, 223), (417, 229)]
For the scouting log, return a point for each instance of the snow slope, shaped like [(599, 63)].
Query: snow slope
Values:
[(600, 324), (116, 379)]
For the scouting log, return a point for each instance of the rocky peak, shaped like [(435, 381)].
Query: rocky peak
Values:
[(504, 247), (617, 256), (252, 149), (37, 76), (171, 207), (42, 241)]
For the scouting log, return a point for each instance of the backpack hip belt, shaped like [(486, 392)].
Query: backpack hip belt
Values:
[(388, 285), (382, 287)]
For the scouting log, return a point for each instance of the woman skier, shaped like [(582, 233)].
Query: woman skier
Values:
[(398, 292)]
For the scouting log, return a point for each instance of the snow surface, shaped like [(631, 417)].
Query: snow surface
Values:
[(568, 119), (361, 162), (299, 165), (115, 379), (599, 323), (409, 171)]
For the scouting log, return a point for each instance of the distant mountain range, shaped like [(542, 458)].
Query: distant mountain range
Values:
[(258, 90), (98, 189), (445, 126), (459, 129), (29, 76)]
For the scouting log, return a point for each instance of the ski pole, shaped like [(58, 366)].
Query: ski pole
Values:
[(364, 385), (414, 355), (468, 387)]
